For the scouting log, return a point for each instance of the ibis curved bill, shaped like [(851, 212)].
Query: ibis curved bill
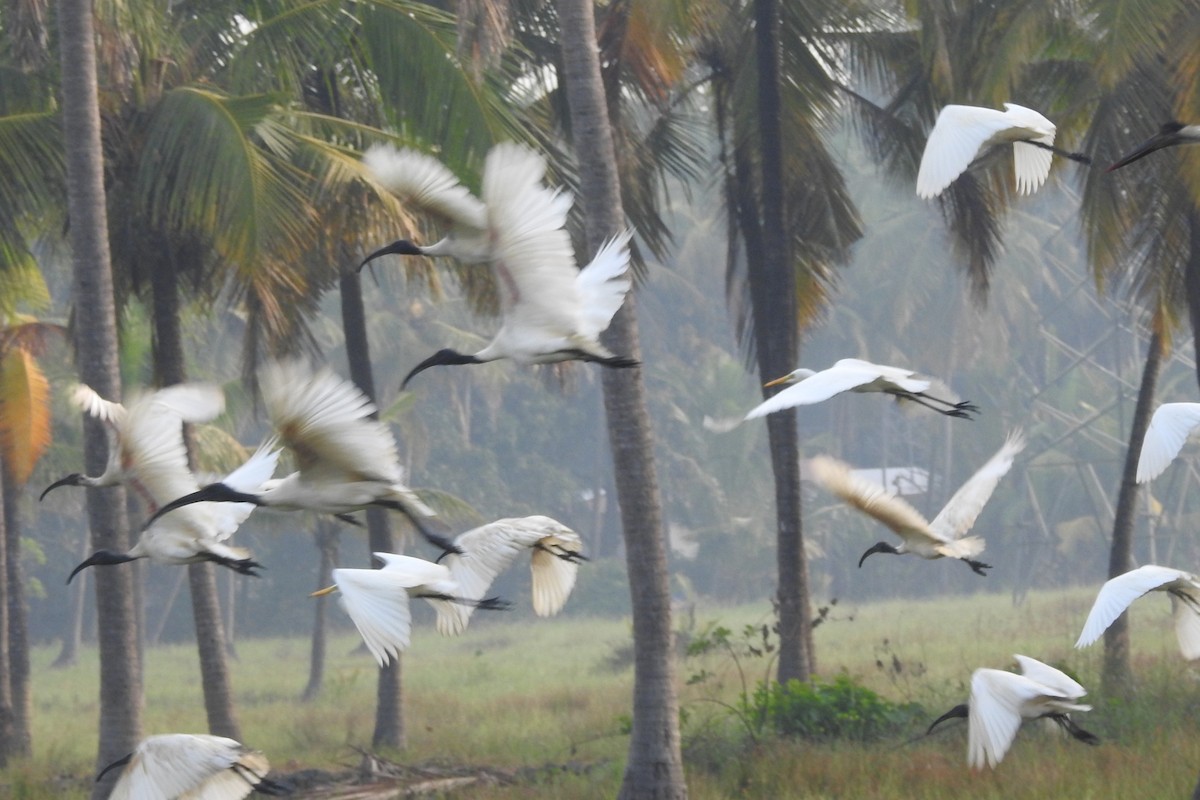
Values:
[(1169, 429), (1001, 700), (963, 133), (347, 460), (552, 311), (855, 375), (1118, 594), (192, 765), (945, 536), (1170, 134)]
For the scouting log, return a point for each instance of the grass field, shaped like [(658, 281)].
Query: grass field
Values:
[(546, 701)]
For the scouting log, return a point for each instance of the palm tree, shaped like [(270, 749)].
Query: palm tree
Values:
[(96, 353), (655, 765)]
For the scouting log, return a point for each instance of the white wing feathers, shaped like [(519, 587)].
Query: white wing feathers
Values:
[(995, 714), (603, 284), (870, 498), (1030, 163), (86, 400), (1059, 682), (960, 513), (956, 139), (815, 389), (1170, 427), (1118, 593), (197, 767), (427, 183)]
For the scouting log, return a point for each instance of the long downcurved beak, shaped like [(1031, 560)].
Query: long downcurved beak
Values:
[(1156, 142), (69, 480), (400, 247), (960, 710)]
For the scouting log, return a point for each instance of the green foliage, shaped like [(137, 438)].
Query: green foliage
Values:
[(840, 709)]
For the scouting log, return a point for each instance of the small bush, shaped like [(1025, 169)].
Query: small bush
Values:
[(824, 711)]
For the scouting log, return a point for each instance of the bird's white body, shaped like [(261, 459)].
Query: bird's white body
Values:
[(190, 767), (491, 549), (1118, 594), (945, 536), (347, 461), (1169, 429), (377, 600), (1001, 700), (962, 133), (847, 375)]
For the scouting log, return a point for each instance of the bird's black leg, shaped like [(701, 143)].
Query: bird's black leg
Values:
[(242, 566), (1068, 725), (1082, 158), (436, 539), (349, 520), (977, 567), (566, 555), (959, 410)]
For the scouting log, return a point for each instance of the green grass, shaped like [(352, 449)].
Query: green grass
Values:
[(546, 693)]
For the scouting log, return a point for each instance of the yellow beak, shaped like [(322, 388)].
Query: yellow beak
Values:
[(778, 381), (323, 592)]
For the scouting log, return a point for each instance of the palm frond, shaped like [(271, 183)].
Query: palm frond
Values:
[(24, 412)]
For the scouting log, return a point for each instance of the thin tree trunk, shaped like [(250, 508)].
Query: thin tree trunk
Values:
[(21, 741), (326, 538), (389, 701), (202, 580), (96, 356), (74, 635), (773, 292), (654, 768), (1117, 676)]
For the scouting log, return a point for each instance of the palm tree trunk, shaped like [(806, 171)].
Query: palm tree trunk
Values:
[(96, 356), (773, 293), (202, 580), (20, 742), (74, 635), (6, 699), (654, 768), (1117, 676), (326, 538), (389, 699)]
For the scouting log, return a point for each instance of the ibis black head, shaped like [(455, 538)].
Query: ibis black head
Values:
[(213, 493), (960, 711), (882, 547), (1168, 134), (102, 558), (74, 479), (444, 357), (400, 247), (120, 762)]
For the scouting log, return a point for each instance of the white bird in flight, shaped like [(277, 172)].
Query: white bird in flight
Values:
[(191, 766), (347, 461), (377, 600), (1118, 593), (1169, 135), (1169, 428), (151, 455), (945, 536), (191, 402), (552, 311), (1001, 700), (487, 551), (856, 375), (963, 133)]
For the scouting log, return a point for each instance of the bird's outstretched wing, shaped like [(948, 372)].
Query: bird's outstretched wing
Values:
[(955, 141), (995, 714), (1118, 593), (324, 420), (88, 401), (1057, 682), (960, 513), (377, 602), (868, 497), (1170, 427), (603, 284), (1030, 163), (425, 182), (175, 765)]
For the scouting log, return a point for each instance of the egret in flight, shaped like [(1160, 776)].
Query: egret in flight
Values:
[(964, 133), (1169, 428), (855, 375), (1169, 135), (552, 310), (377, 600), (347, 461), (192, 765), (1001, 700), (1118, 594), (945, 536), (152, 456)]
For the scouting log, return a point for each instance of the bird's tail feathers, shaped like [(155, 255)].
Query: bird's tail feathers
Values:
[(967, 547)]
